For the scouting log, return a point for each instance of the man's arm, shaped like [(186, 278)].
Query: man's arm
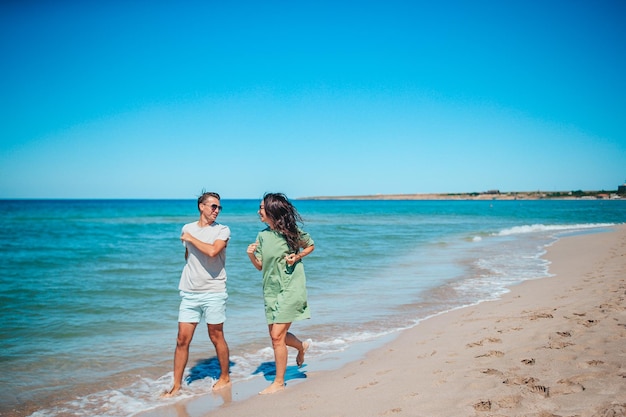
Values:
[(209, 249)]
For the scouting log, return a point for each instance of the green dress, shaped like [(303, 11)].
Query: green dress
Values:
[(284, 286)]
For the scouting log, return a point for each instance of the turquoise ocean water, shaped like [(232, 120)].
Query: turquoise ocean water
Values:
[(88, 294)]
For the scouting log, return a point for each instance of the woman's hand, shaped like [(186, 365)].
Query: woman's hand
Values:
[(291, 259), (258, 264), (252, 248)]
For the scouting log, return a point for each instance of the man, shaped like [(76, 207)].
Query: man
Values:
[(203, 288)]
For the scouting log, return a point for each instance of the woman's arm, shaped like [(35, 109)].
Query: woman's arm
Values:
[(295, 257)]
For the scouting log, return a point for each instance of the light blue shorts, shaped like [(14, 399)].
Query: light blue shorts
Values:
[(210, 305)]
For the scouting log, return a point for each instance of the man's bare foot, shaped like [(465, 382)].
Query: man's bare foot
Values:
[(221, 383), (300, 357), (273, 388), (174, 391)]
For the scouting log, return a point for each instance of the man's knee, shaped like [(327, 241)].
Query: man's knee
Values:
[(183, 341), (185, 334), (216, 332)]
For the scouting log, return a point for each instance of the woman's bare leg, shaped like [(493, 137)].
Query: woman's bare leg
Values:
[(278, 334), (293, 341)]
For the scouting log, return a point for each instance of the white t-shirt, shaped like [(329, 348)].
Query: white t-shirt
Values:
[(203, 273)]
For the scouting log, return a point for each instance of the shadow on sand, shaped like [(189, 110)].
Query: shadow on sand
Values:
[(210, 368), (206, 368), (268, 370)]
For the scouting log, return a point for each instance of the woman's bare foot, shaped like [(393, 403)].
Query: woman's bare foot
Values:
[(300, 357), (221, 383), (273, 388), (174, 391)]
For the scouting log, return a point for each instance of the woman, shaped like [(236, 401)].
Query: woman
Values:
[(278, 252)]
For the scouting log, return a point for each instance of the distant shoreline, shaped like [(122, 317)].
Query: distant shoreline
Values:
[(495, 195)]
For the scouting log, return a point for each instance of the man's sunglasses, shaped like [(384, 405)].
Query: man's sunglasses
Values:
[(214, 207)]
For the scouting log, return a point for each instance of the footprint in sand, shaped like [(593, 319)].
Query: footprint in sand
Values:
[(491, 353), (537, 316), (509, 402), (411, 395), (480, 342), (563, 387), (371, 384), (555, 344), (541, 390), (566, 386), (519, 380), (491, 371), (482, 406), (613, 410), (608, 308)]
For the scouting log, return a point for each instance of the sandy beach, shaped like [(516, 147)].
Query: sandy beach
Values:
[(551, 347)]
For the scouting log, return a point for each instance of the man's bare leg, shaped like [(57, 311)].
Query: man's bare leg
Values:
[(216, 334), (181, 355)]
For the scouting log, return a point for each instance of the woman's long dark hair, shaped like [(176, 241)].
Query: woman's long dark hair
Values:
[(284, 217)]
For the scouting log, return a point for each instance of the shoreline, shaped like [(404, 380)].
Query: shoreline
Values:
[(481, 196), (550, 347)]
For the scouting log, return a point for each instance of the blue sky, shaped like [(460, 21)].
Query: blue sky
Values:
[(123, 99)]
